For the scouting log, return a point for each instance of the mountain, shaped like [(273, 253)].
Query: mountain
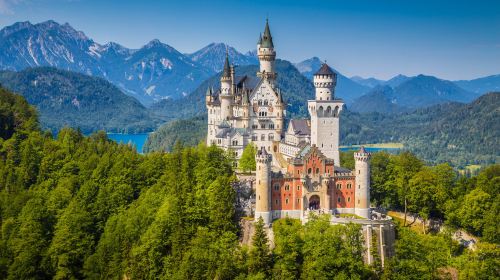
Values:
[(66, 98), (346, 89), (212, 57), (422, 91), (481, 85), (380, 99), (396, 80), (417, 92), (368, 82), (157, 71), (154, 72), (48, 43)]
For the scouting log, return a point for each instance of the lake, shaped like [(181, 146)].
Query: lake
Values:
[(137, 140)]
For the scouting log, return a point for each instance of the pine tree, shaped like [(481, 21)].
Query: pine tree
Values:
[(260, 260)]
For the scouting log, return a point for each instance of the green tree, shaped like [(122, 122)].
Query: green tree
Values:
[(247, 160), (288, 240), (260, 261)]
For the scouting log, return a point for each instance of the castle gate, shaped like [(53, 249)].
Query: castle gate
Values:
[(314, 203)]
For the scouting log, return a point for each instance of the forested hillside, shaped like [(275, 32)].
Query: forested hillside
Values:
[(66, 98), (76, 207)]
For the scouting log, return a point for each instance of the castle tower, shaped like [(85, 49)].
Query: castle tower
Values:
[(362, 195), (266, 54), (212, 118), (225, 91), (324, 111), (245, 103), (263, 186)]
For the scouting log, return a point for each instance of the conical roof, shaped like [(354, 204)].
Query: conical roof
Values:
[(267, 39), (226, 72), (324, 70), (362, 150)]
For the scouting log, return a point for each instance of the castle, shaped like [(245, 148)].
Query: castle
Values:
[(297, 170)]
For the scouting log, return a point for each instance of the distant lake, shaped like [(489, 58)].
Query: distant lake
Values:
[(369, 149), (137, 140)]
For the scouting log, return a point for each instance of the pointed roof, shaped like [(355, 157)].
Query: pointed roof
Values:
[(362, 150), (260, 39), (324, 70), (209, 92), (267, 39), (226, 72)]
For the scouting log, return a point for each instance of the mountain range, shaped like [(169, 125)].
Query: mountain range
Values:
[(65, 98), (416, 92)]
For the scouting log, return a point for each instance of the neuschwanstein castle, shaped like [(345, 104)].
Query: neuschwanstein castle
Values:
[(298, 170)]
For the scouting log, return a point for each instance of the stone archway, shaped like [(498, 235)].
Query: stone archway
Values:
[(314, 202)]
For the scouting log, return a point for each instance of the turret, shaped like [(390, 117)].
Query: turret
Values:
[(324, 82), (266, 54), (225, 94), (245, 103), (208, 95), (324, 111), (263, 186), (362, 195)]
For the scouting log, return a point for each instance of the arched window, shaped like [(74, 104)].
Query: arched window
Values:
[(317, 170), (336, 111), (320, 111), (270, 137), (309, 171), (328, 111), (263, 137)]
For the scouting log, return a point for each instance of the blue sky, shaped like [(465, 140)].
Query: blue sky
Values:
[(449, 39)]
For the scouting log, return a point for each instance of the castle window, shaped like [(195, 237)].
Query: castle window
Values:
[(263, 126), (266, 103), (309, 171), (276, 201), (298, 202), (338, 199), (348, 199), (235, 142), (286, 201), (359, 171), (259, 197), (276, 187), (339, 186), (317, 170), (271, 126), (298, 188), (287, 188), (349, 186), (263, 137), (271, 136), (254, 137)]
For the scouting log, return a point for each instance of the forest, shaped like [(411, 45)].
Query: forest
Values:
[(77, 207)]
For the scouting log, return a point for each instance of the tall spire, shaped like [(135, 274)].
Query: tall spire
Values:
[(227, 71), (267, 39)]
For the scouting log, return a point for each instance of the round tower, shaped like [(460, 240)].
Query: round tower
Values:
[(325, 81), (263, 186), (362, 195), (266, 54), (225, 91)]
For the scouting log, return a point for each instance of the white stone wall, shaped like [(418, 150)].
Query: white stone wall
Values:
[(263, 188), (325, 130), (362, 194)]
